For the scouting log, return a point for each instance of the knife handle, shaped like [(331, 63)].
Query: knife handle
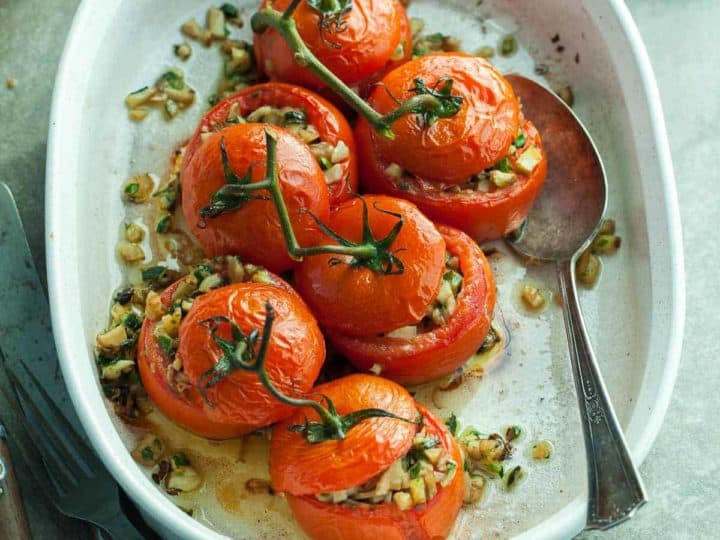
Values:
[(13, 520)]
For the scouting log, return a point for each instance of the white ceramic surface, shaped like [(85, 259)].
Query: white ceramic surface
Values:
[(634, 316)]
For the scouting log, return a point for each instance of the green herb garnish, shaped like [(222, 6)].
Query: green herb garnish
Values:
[(154, 273), (174, 80), (180, 460), (515, 476), (229, 11), (452, 424), (295, 117), (508, 45), (163, 223), (503, 165), (167, 344), (132, 321)]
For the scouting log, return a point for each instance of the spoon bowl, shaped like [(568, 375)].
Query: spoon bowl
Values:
[(570, 207), (563, 222)]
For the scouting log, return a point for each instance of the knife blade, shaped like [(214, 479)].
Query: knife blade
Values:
[(25, 327)]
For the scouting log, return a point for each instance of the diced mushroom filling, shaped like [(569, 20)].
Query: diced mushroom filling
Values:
[(412, 480), (170, 93), (204, 278), (330, 157), (444, 305), (525, 157), (176, 475), (484, 457)]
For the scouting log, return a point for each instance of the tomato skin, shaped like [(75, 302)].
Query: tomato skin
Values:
[(484, 216), (437, 353), (300, 468), (452, 149), (185, 409), (329, 121), (295, 354), (360, 302), (365, 46), (406, 40), (253, 231), (324, 521), (188, 409)]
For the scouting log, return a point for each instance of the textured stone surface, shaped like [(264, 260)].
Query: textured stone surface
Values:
[(32, 36), (681, 472)]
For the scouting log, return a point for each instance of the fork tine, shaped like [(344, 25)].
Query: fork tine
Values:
[(27, 442), (78, 444), (47, 427)]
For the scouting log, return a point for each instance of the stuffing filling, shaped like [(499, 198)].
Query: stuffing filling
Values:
[(116, 347), (412, 480), (330, 157), (501, 175), (444, 305)]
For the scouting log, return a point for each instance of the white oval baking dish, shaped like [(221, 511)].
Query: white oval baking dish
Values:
[(635, 318)]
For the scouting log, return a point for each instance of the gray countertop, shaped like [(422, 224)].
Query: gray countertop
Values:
[(681, 471)]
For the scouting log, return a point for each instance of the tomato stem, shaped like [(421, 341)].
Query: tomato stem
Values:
[(371, 253), (239, 354), (431, 104), (288, 13)]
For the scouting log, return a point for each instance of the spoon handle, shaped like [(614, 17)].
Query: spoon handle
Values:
[(615, 488)]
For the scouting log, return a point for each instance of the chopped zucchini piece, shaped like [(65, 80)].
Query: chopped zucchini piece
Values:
[(528, 160)]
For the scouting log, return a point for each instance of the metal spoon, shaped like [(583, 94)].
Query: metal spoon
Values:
[(561, 225)]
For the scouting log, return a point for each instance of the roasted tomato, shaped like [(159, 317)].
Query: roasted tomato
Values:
[(253, 231), (431, 350), (368, 38), (239, 403), (359, 301), (451, 149), (480, 208), (399, 58), (312, 118), (387, 479)]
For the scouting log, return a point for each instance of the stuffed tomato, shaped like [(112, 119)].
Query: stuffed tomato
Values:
[(311, 118), (367, 296), (479, 170), (391, 478), (181, 361), (453, 329), (252, 229), (354, 43)]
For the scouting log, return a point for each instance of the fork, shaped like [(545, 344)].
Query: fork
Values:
[(78, 484)]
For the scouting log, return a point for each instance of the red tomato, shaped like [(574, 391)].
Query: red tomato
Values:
[(330, 123), (371, 35), (241, 404), (440, 351), (406, 42), (361, 302), (300, 468), (452, 149), (484, 216), (253, 231), (303, 470)]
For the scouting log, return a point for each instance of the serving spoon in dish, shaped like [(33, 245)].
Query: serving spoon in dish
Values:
[(563, 222)]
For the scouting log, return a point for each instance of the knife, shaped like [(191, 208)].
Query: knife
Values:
[(25, 327)]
